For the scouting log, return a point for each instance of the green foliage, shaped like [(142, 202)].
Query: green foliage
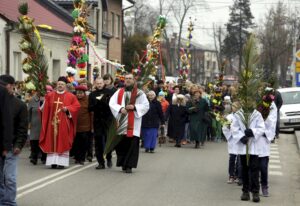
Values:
[(237, 34), (133, 44), (35, 65), (249, 77), (23, 8)]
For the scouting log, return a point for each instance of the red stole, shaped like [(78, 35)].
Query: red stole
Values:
[(130, 126)]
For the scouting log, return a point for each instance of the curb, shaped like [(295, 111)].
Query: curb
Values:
[(297, 135)]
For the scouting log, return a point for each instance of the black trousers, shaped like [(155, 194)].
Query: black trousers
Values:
[(80, 145), (90, 145), (36, 151), (235, 169), (100, 140), (250, 173), (263, 168), (128, 152)]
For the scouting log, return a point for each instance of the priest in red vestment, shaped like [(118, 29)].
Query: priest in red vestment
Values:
[(59, 119)]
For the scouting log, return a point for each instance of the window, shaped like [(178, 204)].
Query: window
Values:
[(118, 26), (55, 68), (207, 65), (214, 66), (104, 22), (112, 24), (17, 72)]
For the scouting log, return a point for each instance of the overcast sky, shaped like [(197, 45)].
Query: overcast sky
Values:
[(218, 13)]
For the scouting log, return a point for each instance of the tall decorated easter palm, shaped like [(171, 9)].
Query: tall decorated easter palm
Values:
[(35, 65), (249, 83)]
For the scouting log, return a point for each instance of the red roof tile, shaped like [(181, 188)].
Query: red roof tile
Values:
[(41, 14)]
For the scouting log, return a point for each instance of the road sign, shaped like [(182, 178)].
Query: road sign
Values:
[(297, 79), (298, 55)]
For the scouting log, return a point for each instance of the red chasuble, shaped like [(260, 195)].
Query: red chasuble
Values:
[(58, 127)]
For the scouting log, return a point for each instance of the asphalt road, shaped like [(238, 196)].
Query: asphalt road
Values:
[(169, 177)]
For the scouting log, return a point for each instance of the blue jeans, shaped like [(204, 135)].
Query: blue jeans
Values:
[(8, 179)]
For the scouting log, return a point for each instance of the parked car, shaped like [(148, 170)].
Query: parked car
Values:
[(290, 110)]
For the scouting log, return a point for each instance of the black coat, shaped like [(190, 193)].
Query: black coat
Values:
[(102, 114), (178, 116), (278, 100), (20, 122), (154, 116), (6, 121)]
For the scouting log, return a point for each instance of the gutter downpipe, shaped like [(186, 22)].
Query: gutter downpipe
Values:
[(8, 28)]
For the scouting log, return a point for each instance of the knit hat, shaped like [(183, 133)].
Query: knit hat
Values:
[(161, 93), (6, 79), (81, 88), (49, 88), (63, 79)]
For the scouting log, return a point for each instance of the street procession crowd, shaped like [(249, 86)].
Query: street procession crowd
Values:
[(114, 115), (132, 109)]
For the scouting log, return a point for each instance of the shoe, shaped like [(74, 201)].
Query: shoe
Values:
[(60, 167), (100, 167), (34, 162), (151, 150), (255, 197), (240, 182), (146, 150), (81, 162), (53, 166), (183, 142), (89, 158), (123, 169), (197, 145), (245, 196), (128, 170), (109, 164), (177, 145), (230, 181), (265, 191)]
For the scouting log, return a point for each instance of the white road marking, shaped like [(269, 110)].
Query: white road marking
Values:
[(54, 180), (274, 157), (274, 161), (275, 173), (47, 177), (274, 166), (274, 153)]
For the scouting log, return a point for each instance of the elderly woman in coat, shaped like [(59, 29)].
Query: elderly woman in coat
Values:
[(197, 109), (151, 121), (177, 115)]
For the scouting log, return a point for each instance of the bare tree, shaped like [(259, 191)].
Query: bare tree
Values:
[(218, 35), (140, 19), (180, 11), (277, 36)]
